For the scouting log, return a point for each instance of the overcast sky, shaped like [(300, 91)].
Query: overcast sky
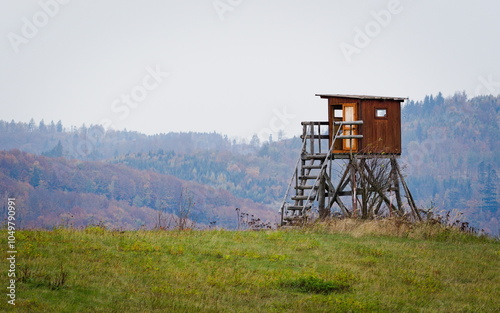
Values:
[(237, 67)]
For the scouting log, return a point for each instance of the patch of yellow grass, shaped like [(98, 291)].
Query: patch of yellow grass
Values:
[(394, 227)]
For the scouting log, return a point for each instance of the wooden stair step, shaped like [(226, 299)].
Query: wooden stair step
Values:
[(298, 198), (312, 167), (307, 177), (305, 197), (297, 207), (316, 156), (291, 220), (304, 187)]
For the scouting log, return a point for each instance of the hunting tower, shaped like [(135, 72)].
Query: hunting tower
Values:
[(348, 164)]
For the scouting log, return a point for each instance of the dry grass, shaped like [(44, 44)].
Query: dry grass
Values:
[(394, 227)]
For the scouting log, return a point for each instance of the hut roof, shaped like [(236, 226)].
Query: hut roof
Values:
[(362, 97)]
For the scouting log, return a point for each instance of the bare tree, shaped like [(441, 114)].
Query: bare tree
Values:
[(163, 218), (184, 210), (374, 180)]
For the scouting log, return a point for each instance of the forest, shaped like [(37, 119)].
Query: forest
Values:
[(84, 175), (451, 151)]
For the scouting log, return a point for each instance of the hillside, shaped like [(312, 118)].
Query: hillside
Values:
[(54, 191), (319, 270), (261, 176), (452, 153)]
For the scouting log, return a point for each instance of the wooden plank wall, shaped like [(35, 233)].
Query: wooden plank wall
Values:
[(381, 135)]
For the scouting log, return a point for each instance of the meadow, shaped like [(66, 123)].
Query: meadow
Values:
[(342, 267)]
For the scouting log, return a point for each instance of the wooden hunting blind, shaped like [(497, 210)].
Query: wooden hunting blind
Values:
[(380, 131), (353, 154)]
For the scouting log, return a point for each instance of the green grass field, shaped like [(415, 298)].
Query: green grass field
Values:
[(315, 270)]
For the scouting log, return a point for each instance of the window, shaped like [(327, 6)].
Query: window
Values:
[(337, 111), (380, 113)]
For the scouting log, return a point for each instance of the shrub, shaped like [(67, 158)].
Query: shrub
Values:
[(317, 285)]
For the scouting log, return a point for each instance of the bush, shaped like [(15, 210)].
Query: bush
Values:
[(317, 285)]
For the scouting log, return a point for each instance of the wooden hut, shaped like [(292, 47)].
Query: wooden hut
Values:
[(380, 132)]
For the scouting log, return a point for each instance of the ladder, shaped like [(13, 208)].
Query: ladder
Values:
[(312, 173)]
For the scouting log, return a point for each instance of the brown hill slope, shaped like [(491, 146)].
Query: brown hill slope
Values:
[(51, 191)]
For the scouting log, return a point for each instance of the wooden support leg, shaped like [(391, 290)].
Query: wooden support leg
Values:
[(353, 188), (411, 202), (395, 180), (321, 197), (344, 181)]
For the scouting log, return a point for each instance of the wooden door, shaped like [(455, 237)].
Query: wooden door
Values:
[(349, 115)]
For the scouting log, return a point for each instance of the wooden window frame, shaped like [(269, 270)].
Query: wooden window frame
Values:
[(382, 117)]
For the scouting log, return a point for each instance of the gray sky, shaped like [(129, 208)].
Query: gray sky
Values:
[(237, 67)]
